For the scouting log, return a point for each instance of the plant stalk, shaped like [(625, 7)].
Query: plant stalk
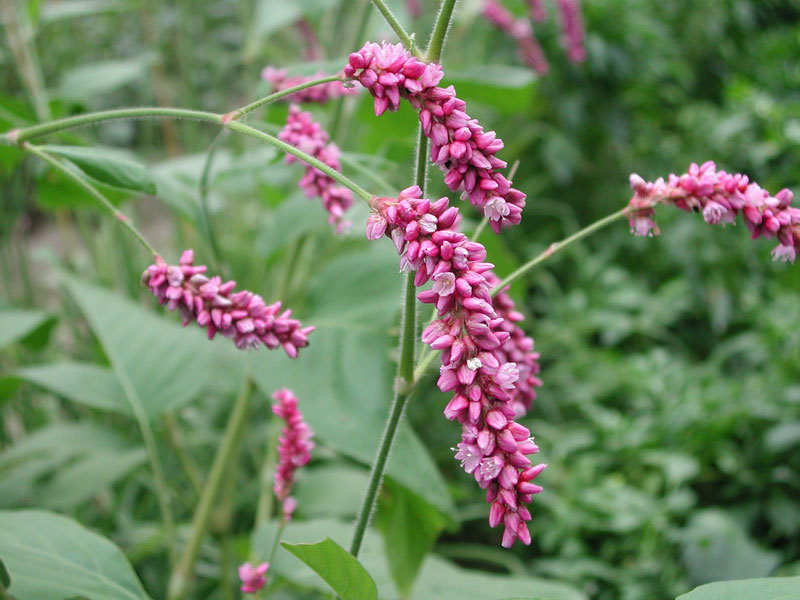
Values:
[(440, 27), (559, 246), (182, 574), (240, 112), (405, 39)]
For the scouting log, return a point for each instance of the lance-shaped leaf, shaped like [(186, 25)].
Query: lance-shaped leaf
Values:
[(769, 588), (50, 557), (338, 568), (108, 166)]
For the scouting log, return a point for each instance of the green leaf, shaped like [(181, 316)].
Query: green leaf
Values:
[(88, 81), (108, 166), (17, 324), (63, 465), (50, 557), (342, 378), (438, 578), (166, 365), (409, 526), (84, 383), (717, 547), (771, 588), (338, 568), (344, 487), (5, 578)]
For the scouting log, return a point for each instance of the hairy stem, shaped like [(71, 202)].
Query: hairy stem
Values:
[(405, 374), (402, 34), (240, 112), (559, 246), (19, 136), (92, 191), (182, 574), (440, 27)]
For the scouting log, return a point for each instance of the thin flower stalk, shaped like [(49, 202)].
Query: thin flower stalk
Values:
[(459, 145), (281, 80), (470, 335), (212, 304), (301, 131), (720, 197)]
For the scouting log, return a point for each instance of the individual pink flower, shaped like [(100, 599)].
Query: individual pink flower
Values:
[(472, 338), (241, 316), (720, 197), (321, 93), (294, 448), (302, 132), (252, 577), (459, 145), (569, 12)]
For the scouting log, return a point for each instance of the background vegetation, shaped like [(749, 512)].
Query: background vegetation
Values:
[(670, 412)]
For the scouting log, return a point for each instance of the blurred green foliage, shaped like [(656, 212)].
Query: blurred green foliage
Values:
[(670, 413)]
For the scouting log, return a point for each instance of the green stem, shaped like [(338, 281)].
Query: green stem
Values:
[(126, 222), (182, 574), (402, 34), (440, 27), (21, 135), (558, 246), (28, 133), (240, 112), (281, 145), (176, 441), (405, 374)]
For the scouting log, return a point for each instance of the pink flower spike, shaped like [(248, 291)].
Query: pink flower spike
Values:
[(301, 131), (487, 360), (294, 448), (460, 146), (241, 316), (720, 197), (252, 577)]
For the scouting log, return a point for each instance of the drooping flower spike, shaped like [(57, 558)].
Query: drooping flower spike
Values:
[(471, 336), (280, 80), (302, 132), (212, 304), (572, 32), (528, 47), (294, 448), (459, 145), (720, 196), (252, 578)]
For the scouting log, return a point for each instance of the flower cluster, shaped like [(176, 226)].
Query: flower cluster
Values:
[(720, 196), (538, 10), (517, 349), (302, 132), (471, 335), (459, 145), (572, 33), (528, 46), (294, 448), (321, 93), (252, 577), (521, 30), (242, 316)]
